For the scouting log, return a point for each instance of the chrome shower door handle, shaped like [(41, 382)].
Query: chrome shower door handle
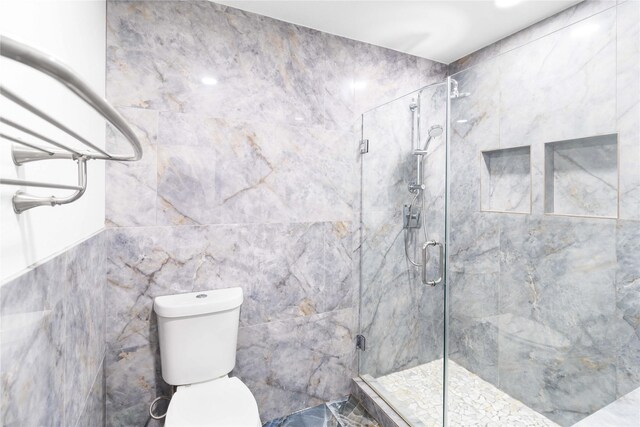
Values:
[(425, 248)]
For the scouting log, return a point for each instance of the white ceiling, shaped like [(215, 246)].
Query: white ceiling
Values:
[(439, 30)]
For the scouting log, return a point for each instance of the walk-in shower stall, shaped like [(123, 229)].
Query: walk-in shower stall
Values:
[(525, 178)]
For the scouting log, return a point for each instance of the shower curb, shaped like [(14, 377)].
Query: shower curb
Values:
[(375, 405)]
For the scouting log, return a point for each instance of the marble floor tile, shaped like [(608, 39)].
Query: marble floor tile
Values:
[(350, 413), (624, 412), (346, 412)]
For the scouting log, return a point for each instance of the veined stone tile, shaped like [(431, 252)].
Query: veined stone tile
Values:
[(232, 172), (570, 16), (628, 107), (628, 306), (84, 321), (548, 88), (133, 379), (131, 187), (311, 271), (52, 320), (319, 350), (621, 413), (94, 408)]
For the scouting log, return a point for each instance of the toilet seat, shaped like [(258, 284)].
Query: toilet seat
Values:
[(223, 402)]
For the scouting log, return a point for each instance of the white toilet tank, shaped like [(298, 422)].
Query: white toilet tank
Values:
[(198, 334)]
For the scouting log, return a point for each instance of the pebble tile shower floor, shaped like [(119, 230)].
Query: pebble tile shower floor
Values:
[(417, 393)]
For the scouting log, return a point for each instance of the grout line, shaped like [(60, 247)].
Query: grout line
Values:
[(98, 372), (530, 41), (45, 260)]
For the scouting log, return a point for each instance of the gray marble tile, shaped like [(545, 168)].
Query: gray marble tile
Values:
[(558, 329), (42, 337), (390, 287), (318, 416), (186, 186), (94, 411), (37, 289), (309, 274), (479, 56), (388, 167), (84, 321), (554, 23), (319, 350), (570, 16), (621, 413), (375, 405), (130, 187), (351, 413), (376, 66), (628, 107), (474, 245), (474, 344), (581, 177), (474, 126), (474, 295), (133, 379), (230, 172), (627, 280), (339, 69), (506, 180), (431, 72), (577, 384), (548, 88), (565, 325), (279, 60), (32, 353), (266, 144)]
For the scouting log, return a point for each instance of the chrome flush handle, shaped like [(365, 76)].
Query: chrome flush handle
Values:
[(425, 249)]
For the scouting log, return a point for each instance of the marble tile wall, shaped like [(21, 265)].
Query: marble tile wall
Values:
[(53, 340), (536, 308), (252, 182), (505, 180), (581, 177)]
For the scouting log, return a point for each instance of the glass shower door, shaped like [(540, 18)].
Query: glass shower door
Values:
[(402, 264)]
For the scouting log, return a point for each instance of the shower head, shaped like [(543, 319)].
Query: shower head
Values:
[(434, 132)]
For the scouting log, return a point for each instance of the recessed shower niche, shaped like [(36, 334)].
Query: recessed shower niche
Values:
[(581, 177), (505, 181)]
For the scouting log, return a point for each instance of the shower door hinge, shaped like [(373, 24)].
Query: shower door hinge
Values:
[(361, 342), (364, 146)]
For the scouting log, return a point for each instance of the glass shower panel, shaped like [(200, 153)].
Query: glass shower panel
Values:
[(401, 317), (542, 326)]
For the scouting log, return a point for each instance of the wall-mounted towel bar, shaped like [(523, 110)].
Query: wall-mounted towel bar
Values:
[(23, 151)]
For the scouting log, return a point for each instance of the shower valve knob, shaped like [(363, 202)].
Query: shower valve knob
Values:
[(415, 187)]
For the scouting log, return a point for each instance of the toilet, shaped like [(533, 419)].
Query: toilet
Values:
[(198, 334)]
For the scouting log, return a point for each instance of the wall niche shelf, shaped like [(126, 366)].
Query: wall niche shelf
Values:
[(581, 177), (505, 180)]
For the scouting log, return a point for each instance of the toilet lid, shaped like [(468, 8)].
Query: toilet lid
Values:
[(224, 402)]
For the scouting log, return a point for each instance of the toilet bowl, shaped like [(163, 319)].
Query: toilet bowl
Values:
[(224, 402), (198, 333)]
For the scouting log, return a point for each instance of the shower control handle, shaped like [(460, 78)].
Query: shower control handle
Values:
[(425, 249)]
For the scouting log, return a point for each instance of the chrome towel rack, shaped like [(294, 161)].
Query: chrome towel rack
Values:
[(25, 151)]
